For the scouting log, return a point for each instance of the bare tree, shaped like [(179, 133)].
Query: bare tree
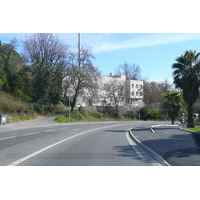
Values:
[(48, 57), (132, 72), (153, 91), (115, 92), (82, 75)]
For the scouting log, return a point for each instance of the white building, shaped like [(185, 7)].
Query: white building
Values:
[(131, 92)]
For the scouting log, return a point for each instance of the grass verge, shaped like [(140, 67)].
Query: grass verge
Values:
[(193, 129), (87, 117)]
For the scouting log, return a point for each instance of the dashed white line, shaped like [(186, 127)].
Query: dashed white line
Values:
[(7, 138), (77, 129), (31, 133), (50, 130), (64, 128), (55, 144)]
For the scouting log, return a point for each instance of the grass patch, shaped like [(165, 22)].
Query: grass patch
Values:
[(17, 119), (61, 119), (193, 129)]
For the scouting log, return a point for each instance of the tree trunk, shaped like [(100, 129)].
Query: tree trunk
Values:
[(190, 123), (73, 103), (117, 110), (172, 120)]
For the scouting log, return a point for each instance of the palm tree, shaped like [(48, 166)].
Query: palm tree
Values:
[(173, 104), (187, 77)]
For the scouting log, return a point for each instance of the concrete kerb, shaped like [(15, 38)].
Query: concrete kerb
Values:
[(151, 128), (148, 150), (198, 133)]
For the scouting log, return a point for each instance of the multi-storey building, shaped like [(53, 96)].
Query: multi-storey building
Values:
[(128, 92)]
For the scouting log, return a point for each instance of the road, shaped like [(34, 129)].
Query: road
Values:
[(43, 142), (177, 147)]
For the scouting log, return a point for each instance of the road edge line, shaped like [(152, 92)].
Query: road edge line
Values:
[(153, 153)]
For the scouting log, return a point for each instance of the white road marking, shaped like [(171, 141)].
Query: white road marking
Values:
[(55, 144), (7, 138), (139, 153), (50, 130), (152, 130), (31, 133), (64, 128), (76, 129)]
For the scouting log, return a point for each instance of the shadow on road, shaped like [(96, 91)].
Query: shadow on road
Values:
[(125, 151), (179, 148), (116, 131)]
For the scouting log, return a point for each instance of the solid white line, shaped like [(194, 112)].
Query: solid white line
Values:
[(139, 153), (76, 129), (55, 144), (31, 133), (7, 138), (134, 146)]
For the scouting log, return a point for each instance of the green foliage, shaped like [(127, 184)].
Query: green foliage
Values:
[(17, 119), (131, 114), (186, 76), (172, 104), (174, 101), (150, 113), (109, 111)]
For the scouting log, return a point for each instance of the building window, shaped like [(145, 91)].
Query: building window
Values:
[(132, 85), (136, 93), (140, 93), (132, 93), (136, 85)]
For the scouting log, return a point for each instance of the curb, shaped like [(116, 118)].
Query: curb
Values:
[(148, 150), (198, 133)]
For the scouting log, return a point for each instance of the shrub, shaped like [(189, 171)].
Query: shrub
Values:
[(97, 115), (131, 114), (151, 113)]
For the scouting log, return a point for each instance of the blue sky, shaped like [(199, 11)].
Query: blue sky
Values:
[(153, 52)]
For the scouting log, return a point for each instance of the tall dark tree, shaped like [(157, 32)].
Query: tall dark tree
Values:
[(48, 58), (187, 77), (10, 64)]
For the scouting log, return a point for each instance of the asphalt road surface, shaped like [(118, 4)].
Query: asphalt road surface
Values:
[(177, 147), (43, 142)]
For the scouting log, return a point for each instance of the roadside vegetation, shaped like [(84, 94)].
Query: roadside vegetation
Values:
[(88, 117)]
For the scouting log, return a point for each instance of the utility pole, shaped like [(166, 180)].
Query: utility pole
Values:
[(79, 50)]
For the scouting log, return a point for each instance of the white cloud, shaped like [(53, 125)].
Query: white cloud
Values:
[(104, 44)]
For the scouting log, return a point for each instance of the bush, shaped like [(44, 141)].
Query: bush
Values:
[(109, 111), (150, 113), (131, 114), (97, 115)]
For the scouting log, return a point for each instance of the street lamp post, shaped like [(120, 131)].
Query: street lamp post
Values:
[(69, 96)]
